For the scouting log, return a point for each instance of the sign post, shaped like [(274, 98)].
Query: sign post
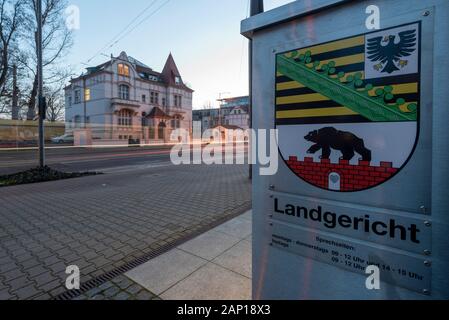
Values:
[(364, 159)]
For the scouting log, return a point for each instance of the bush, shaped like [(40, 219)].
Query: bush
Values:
[(39, 174)]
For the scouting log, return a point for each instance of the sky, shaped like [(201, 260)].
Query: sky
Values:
[(203, 36)]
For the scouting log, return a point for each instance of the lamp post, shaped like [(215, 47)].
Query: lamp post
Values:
[(40, 90)]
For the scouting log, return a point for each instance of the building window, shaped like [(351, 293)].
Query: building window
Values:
[(77, 121), (178, 80), (77, 96), (123, 91), (125, 118), (176, 123), (123, 70), (144, 98), (69, 100), (178, 101), (87, 94), (164, 102), (154, 97)]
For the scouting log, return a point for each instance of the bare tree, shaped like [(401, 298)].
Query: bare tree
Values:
[(12, 14), (55, 103), (207, 105), (57, 40)]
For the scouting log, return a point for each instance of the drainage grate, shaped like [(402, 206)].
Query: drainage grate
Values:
[(98, 281)]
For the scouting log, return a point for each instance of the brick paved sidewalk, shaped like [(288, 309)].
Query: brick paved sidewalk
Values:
[(216, 265), (101, 223)]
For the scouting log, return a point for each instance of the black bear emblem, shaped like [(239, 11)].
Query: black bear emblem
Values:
[(330, 138)]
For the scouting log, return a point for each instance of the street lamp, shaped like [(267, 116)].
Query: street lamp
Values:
[(40, 93)]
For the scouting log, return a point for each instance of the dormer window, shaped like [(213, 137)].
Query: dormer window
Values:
[(123, 70), (178, 80)]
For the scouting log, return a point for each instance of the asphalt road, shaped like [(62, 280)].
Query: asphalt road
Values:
[(82, 159), (72, 159)]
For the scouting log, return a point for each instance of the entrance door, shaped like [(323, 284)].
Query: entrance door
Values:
[(161, 131)]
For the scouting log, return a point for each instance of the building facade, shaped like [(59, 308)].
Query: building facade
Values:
[(125, 100), (232, 112)]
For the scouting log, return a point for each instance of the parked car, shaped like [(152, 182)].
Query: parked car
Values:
[(66, 138)]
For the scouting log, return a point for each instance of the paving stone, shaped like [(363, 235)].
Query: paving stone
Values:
[(144, 210), (7, 267), (134, 289), (144, 296), (237, 259), (43, 296), (19, 283), (36, 271), (122, 282), (26, 292), (211, 282), (93, 292), (57, 291), (26, 260), (159, 274), (106, 286), (50, 285), (122, 296), (13, 274), (111, 291), (210, 244), (44, 278), (5, 294), (238, 227)]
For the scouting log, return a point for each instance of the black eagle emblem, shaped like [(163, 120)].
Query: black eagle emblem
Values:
[(391, 53)]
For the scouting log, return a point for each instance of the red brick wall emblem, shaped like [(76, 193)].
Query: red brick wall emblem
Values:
[(352, 177)]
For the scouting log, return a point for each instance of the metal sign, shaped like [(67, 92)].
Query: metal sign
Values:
[(347, 111), (395, 229), (362, 130), (401, 269)]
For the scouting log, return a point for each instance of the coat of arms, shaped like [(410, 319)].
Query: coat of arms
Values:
[(347, 111)]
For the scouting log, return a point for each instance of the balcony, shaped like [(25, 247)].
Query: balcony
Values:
[(171, 110), (128, 103)]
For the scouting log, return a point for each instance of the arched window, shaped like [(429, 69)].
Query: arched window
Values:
[(123, 92), (125, 118)]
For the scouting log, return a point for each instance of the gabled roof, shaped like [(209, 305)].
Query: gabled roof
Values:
[(138, 63), (97, 68), (158, 113), (245, 108), (168, 75), (171, 72)]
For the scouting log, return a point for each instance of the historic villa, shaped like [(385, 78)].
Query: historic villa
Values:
[(124, 100)]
